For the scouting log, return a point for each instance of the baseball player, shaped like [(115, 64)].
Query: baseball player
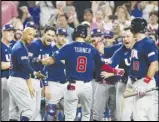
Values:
[(122, 59), (19, 84), (144, 64), (79, 70), (7, 32), (38, 49), (96, 35), (56, 79), (107, 89)]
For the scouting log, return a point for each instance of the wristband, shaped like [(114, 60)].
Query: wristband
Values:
[(147, 79)]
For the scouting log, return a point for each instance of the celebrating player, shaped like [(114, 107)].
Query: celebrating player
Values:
[(38, 49), (144, 64), (79, 70), (7, 36), (19, 83), (56, 79)]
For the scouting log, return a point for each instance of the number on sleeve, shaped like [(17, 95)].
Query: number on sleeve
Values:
[(81, 64)]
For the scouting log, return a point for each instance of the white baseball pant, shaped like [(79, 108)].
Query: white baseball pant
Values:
[(83, 93), (108, 96), (120, 88), (126, 104), (21, 100), (57, 92), (143, 105), (37, 100), (5, 100)]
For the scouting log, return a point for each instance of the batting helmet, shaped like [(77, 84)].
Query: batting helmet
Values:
[(138, 25), (80, 31)]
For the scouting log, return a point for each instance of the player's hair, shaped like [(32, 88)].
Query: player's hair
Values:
[(47, 28), (62, 15)]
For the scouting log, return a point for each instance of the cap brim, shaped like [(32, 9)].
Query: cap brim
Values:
[(9, 29), (108, 36)]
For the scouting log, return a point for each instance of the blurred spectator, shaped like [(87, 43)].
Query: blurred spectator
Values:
[(72, 16), (106, 6), (122, 17), (47, 11), (80, 7), (96, 5), (88, 16), (60, 5), (99, 20), (153, 21), (69, 3), (62, 22), (135, 11), (147, 7), (9, 12), (34, 10), (119, 3)]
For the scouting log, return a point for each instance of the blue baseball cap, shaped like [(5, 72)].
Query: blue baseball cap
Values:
[(61, 31), (30, 24), (8, 27), (96, 32), (108, 34)]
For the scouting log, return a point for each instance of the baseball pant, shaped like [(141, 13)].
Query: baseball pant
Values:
[(37, 100), (94, 87), (105, 94), (5, 100), (120, 88), (126, 109), (21, 101), (143, 105), (57, 92), (154, 109), (82, 93)]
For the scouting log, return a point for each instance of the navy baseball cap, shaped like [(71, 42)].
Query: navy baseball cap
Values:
[(96, 32), (30, 24), (108, 34), (61, 31), (8, 27)]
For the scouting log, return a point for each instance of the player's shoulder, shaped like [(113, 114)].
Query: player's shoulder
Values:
[(148, 42), (18, 47), (54, 48)]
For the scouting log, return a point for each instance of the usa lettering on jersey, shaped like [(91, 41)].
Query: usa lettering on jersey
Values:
[(134, 54)]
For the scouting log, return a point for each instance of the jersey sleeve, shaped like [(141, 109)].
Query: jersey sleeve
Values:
[(23, 60), (151, 52), (115, 59), (61, 54), (33, 51)]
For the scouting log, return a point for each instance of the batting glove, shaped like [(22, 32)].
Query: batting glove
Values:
[(119, 72)]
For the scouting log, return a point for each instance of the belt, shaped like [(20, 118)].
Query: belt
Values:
[(134, 79), (62, 82), (107, 82), (74, 81)]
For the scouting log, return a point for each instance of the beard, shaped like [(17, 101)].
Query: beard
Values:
[(17, 36)]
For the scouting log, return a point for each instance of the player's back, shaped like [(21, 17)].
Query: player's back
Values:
[(79, 57)]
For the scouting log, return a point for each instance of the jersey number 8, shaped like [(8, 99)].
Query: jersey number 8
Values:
[(81, 64)]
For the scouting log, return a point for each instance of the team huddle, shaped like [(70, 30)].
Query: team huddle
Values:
[(81, 72)]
